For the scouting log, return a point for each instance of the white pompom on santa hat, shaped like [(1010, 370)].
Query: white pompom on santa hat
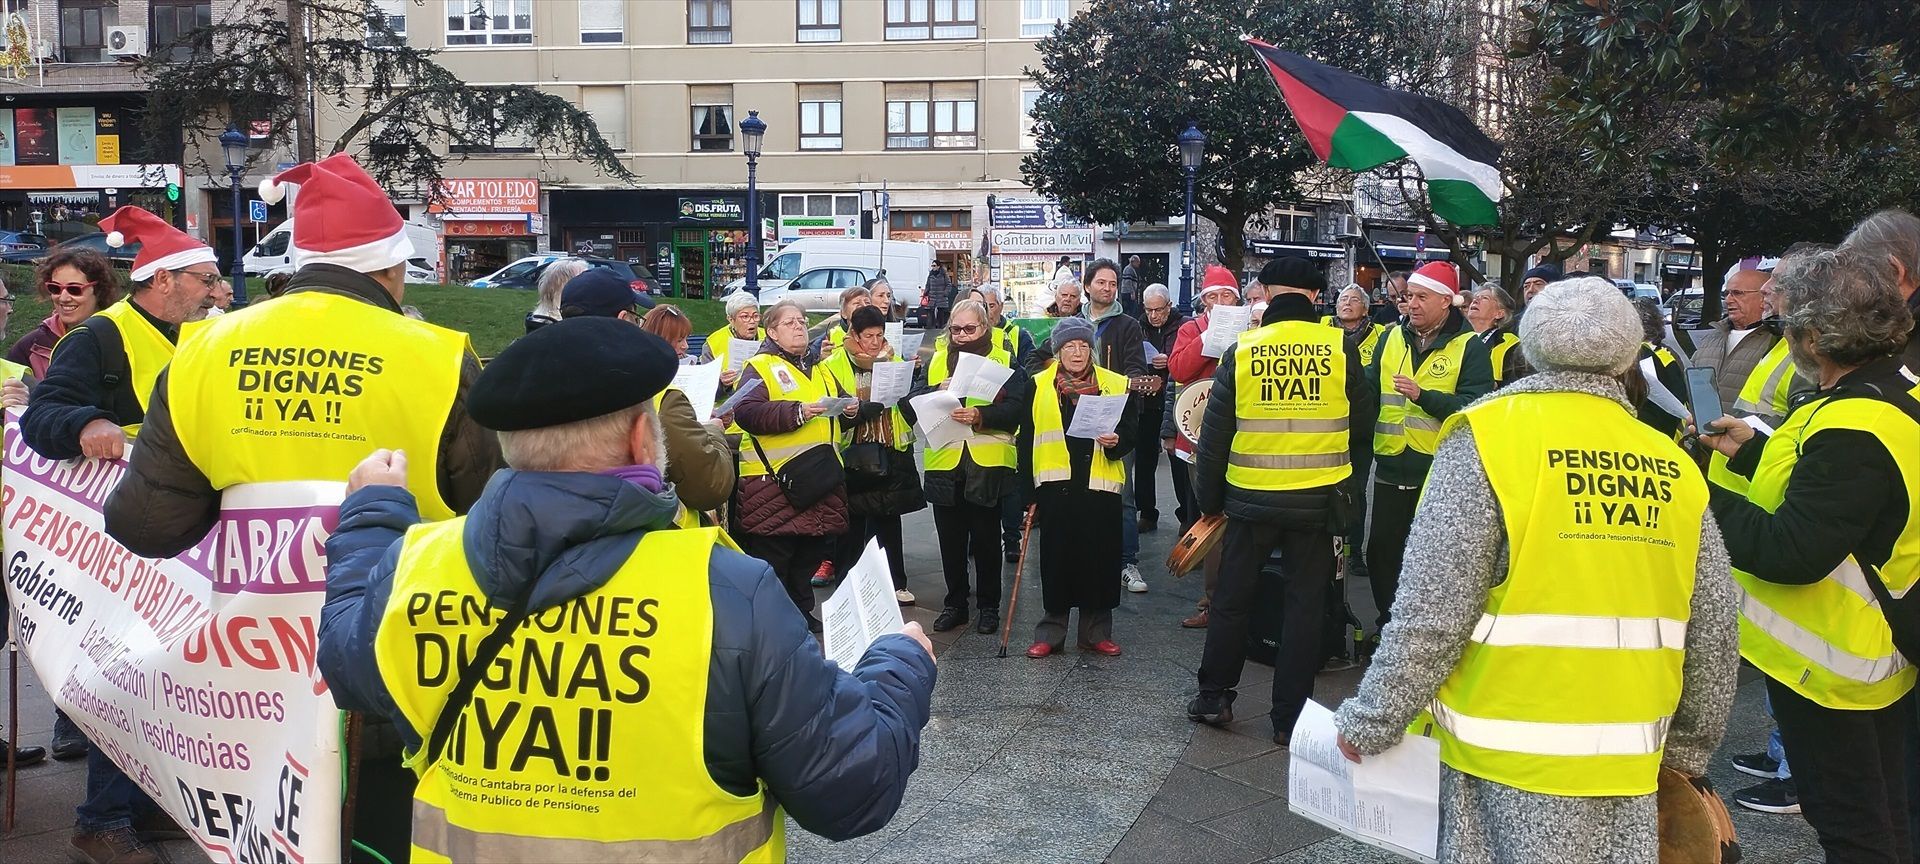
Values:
[(341, 216), (1441, 278), (162, 246)]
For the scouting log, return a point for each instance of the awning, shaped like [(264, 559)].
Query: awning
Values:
[(1277, 249)]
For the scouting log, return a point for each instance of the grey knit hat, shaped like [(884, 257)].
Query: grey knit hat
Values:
[(1069, 329), (1581, 325)]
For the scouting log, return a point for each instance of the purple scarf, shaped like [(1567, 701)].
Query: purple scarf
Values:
[(644, 476)]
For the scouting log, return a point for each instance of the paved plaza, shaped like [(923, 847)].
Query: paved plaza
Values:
[(1076, 758)]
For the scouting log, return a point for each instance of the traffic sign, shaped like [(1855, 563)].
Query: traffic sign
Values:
[(256, 211), (173, 191)]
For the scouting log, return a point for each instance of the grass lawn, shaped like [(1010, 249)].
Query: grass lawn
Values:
[(492, 316)]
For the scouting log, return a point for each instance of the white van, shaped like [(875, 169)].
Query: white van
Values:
[(275, 251), (906, 265)]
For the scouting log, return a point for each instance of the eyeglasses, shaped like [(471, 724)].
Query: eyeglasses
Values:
[(1743, 293), (6, 302), (207, 279), (77, 289), (963, 329)]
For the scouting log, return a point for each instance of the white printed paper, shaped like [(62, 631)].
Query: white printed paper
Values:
[(933, 412), (834, 406), (726, 408), (701, 383), (1147, 348), (908, 348), (1094, 416), (1657, 391), (896, 333), (861, 610), (739, 351), (1224, 326), (1391, 800), (891, 381), (976, 377)]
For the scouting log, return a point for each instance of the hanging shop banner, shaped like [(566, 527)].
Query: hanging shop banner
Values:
[(35, 135), (196, 674), (945, 241), (106, 137), (1042, 241), (468, 196), (729, 210), (1030, 213), (88, 176), (459, 228)]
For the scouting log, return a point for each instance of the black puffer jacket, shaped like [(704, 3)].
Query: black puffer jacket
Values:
[(1304, 508)]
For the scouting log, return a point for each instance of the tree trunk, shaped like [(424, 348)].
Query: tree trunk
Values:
[(305, 147), (1713, 270), (1233, 245)]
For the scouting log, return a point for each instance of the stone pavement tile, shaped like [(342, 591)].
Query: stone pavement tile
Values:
[(1108, 715), (1155, 839), (1192, 795), (1267, 771), (966, 833), (1015, 681), (802, 846), (1338, 850), (963, 739), (1213, 748), (1069, 786), (1269, 828), (1161, 680)]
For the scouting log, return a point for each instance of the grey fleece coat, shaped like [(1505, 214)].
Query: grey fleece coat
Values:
[(1456, 553)]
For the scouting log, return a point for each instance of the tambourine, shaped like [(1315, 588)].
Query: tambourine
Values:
[(1196, 544), (1190, 409)]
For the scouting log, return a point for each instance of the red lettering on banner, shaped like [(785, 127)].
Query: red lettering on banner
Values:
[(276, 643)]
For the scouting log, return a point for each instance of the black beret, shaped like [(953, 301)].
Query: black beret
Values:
[(1293, 273), (572, 370)]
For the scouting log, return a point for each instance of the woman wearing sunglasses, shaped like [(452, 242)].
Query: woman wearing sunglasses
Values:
[(79, 282)]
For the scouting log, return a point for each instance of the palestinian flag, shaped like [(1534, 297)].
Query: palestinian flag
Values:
[(1356, 124)]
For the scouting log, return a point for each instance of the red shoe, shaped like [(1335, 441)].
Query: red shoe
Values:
[(1104, 646), (823, 575), (1039, 649)]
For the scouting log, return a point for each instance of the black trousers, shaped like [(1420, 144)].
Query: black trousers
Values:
[(1850, 768), (1307, 566), (1013, 517), (969, 531), (1146, 494), (848, 547), (793, 559), (1387, 544), (1357, 532)]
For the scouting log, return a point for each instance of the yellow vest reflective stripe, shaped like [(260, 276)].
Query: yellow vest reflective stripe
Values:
[(1602, 516), (785, 381), (1051, 461), (1290, 408), (148, 350), (990, 449), (839, 368), (1829, 640), (1497, 353), (303, 388), (1765, 393), (1402, 423), (583, 742)]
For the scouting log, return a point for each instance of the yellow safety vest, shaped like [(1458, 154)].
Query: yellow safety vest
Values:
[(1402, 423), (1497, 354), (1829, 640), (1051, 462), (1766, 393), (990, 449), (303, 388), (839, 369), (148, 350), (1572, 675), (1290, 408), (1369, 344), (719, 346), (1008, 337), (584, 740), (785, 381), (10, 370)]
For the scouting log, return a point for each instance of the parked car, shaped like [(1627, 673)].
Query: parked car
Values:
[(906, 263), (515, 275), (818, 290), (1684, 309), (121, 257), (419, 272), (275, 251), (20, 241), (525, 273)]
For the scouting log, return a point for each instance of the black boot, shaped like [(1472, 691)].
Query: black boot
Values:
[(950, 617), (989, 621)]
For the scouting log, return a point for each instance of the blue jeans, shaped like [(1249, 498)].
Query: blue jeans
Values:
[(112, 797), (1775, 750), (1129, 519)]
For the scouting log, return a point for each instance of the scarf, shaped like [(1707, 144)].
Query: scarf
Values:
[(983, 345), (647, 477), (1072, 387)]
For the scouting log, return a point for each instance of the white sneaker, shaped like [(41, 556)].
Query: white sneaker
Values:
[(1130, 576), (904, 596)]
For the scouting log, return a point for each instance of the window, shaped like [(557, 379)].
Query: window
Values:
[(608, 105), (940, 115), (1038, 17), (173, 22), (82, 30), (933, 19), (820, 117), (393, 14), (819, 21), (712, 116), (709, 22), (1029, 101), (489, 22), (603, 21)]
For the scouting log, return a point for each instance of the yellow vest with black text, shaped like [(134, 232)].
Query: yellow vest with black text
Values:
[(1402, 423), (584, 741), (1766, 393), (305, 387), (1829, 640), (1051, 461), (148, 350), (1290, 408), (1571, 677), (1497, 355), (990, 448), (839, 369), (1369, 345), (785, 381)]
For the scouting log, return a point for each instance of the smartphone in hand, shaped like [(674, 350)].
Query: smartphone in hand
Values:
[(1702, 398)]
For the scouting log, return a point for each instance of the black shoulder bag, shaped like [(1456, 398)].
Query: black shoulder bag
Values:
[(473, 671), (806, 478)]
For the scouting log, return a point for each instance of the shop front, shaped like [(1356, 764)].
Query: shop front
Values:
[(485, 223), (1027, 258), (949, 232), (694, 242), (817, 214), (60, 165)]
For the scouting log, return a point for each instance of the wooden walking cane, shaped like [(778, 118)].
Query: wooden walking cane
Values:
[(350, 793), (1013, 602)]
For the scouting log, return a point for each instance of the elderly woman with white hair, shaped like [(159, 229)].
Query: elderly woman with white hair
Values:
[(1559, 540), (1160, 323), (1491, 314), (743, 322), (1825, 543), (546, 309), (1350, 314)]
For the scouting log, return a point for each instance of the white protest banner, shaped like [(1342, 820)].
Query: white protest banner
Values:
[(196, 674)]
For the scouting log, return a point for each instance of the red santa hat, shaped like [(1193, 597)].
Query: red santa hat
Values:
[(341, 216), (162, 246), (1217, 277), (1439, 277)]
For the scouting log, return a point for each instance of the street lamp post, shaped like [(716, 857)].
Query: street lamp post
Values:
[(1193, 145), (233, 145), (753, 131)]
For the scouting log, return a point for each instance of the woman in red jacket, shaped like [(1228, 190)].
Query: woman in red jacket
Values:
[(1186, 366)]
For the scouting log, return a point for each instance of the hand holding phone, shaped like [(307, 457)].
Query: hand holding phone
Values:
[(1702, 398)]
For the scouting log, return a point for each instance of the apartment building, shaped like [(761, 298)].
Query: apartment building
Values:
[(927, 99)]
